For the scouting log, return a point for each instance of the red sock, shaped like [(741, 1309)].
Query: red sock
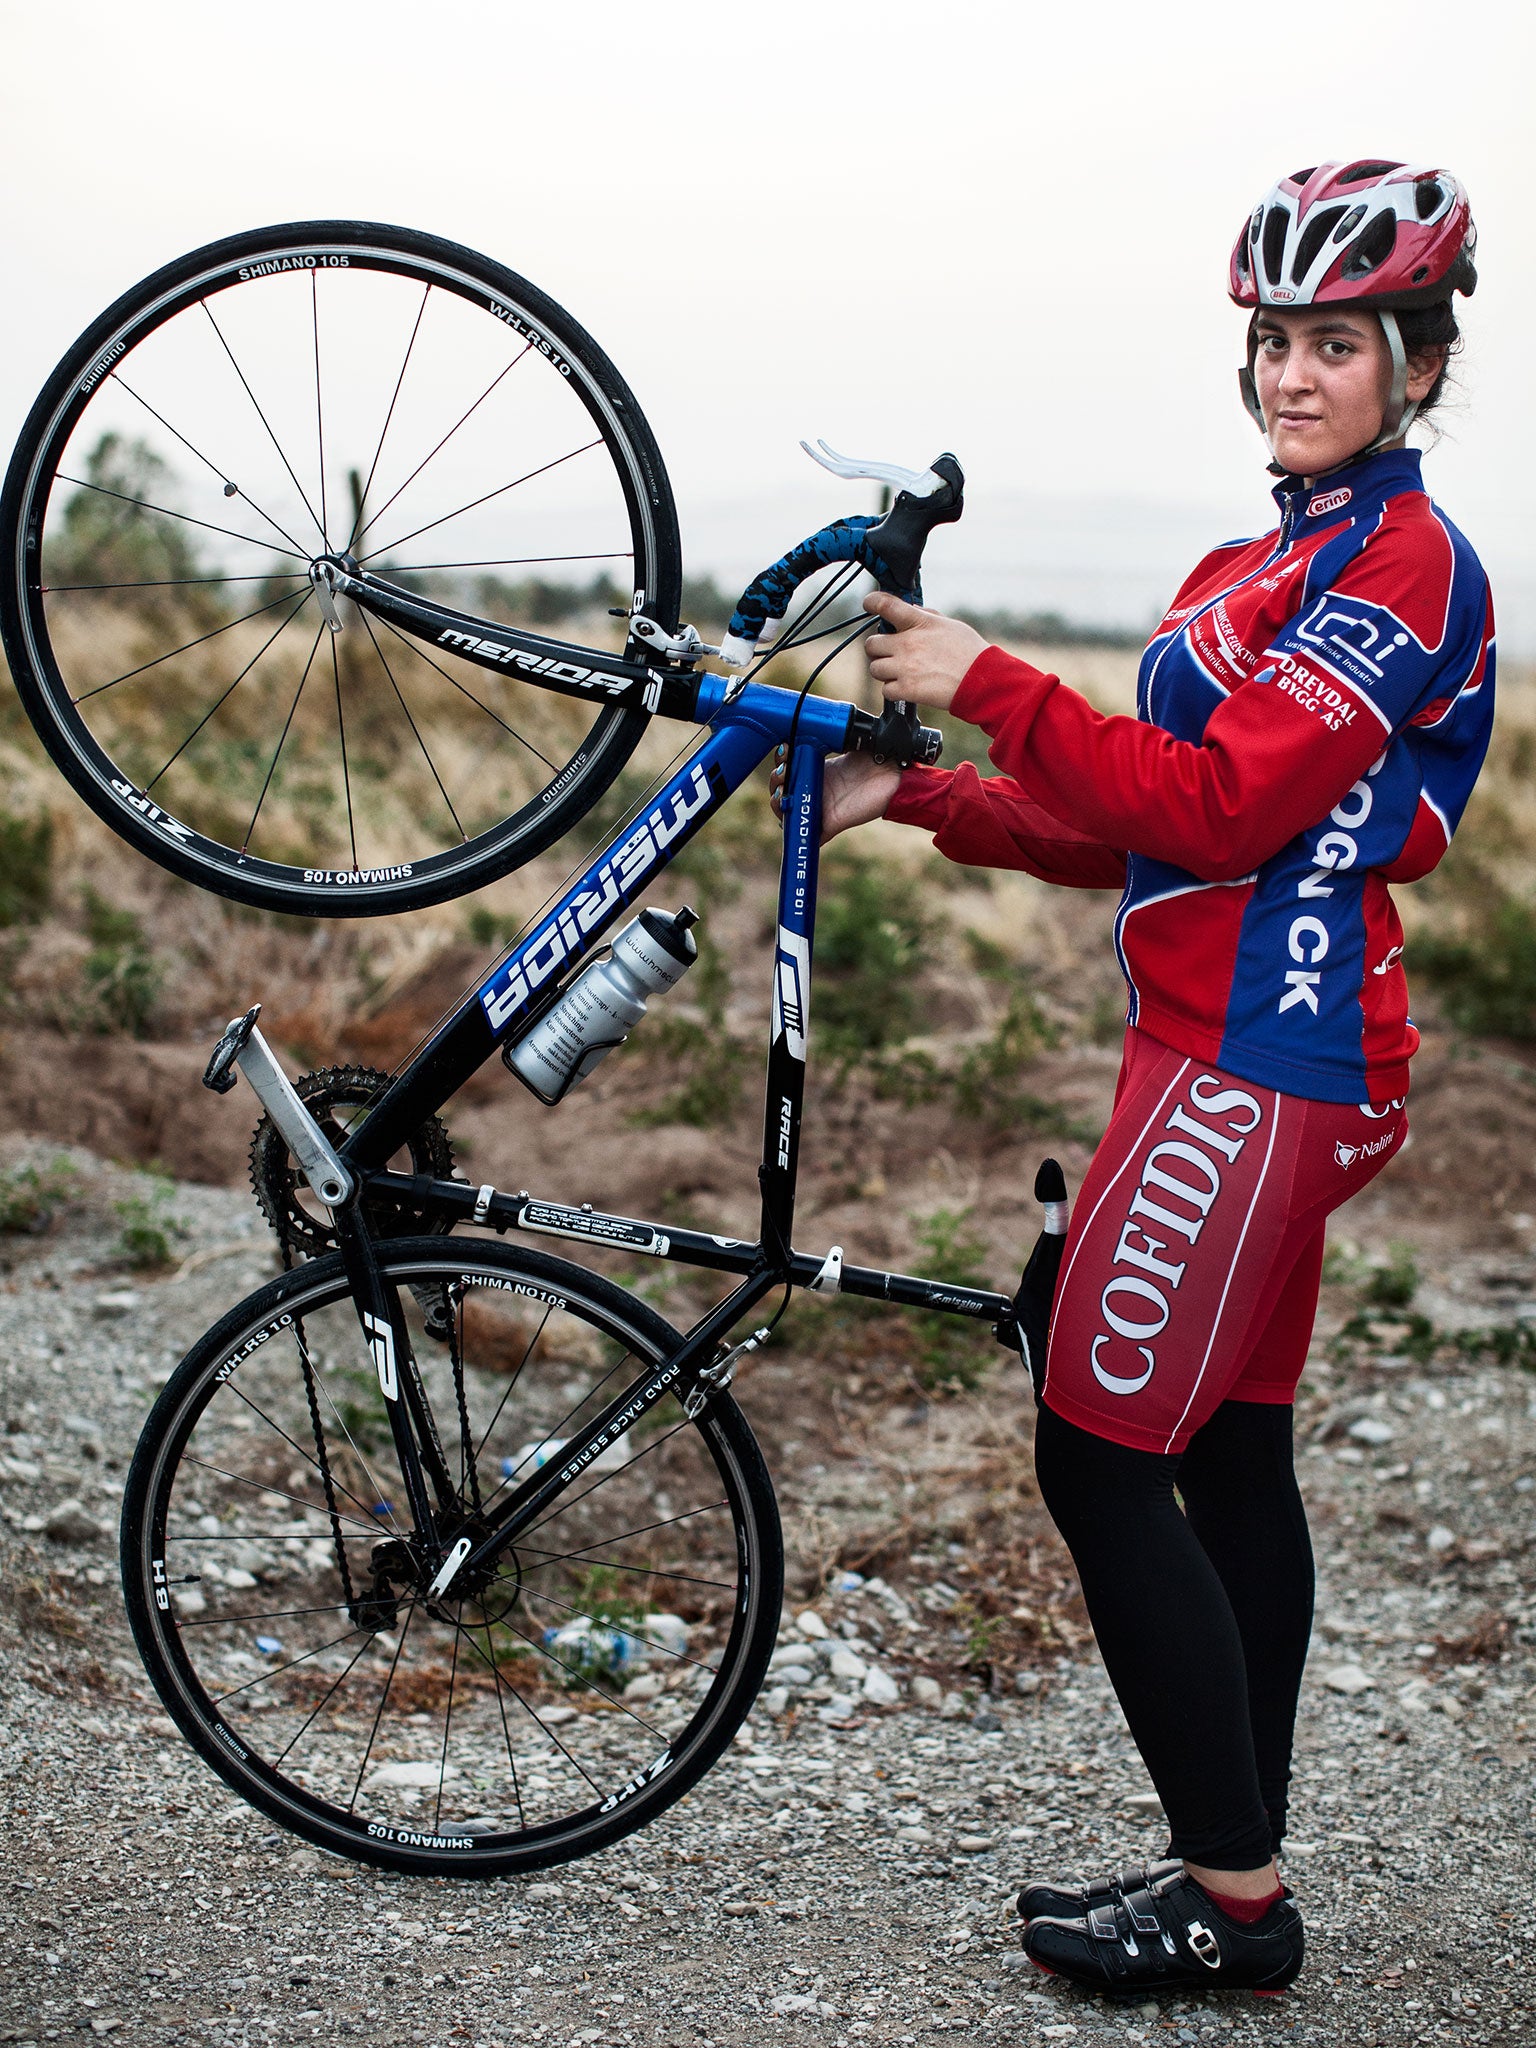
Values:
[(1244, 1911)]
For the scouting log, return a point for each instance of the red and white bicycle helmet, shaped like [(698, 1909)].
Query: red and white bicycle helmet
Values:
[(1370, 233)]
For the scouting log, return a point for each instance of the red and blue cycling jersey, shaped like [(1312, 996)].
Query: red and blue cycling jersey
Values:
[(1312, 713)]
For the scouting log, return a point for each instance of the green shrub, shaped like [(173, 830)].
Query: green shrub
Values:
[(986, 1083), (871, 940), (952, 1350), (26, 868), (122, 977), (1394, 1284), (30, 1195), (1487, 983), (150, 1233)]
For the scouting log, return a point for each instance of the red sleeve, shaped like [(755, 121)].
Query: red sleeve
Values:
[(991, 823), (1265, 769)]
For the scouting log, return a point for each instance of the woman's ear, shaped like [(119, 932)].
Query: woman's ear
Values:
[(1424, 366)]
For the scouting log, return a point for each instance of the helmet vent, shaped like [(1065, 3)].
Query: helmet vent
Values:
[(1301, 177), (1428, 196), (1276, 223), (1313, 236), (1372, 248), (1349, 223), (1352, 174)]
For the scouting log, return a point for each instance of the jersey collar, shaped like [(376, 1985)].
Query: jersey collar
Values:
[(1361, 486)]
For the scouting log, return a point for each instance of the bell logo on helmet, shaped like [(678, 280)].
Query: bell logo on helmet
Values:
[(1281, 294)]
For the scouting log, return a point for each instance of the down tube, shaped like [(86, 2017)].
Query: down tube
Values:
[(499, 1007), (791, 996)]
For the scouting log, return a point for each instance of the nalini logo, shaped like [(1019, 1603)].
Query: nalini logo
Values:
[(1330, 501), (1347, 1155)]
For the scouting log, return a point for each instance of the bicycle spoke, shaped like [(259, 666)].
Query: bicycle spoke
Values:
[(564, 1502), (362, 496), (500, 492), (250, 394), (509, 730), (144, 505), (389, 1679), (166, 582), (346, 772), (287, 723), (278, 1670), (442, 1766), (528, 1350), (321, 1704), (310, 1459), (370, 1529), (549, 1733), (185, 648), (304, 598), (506, 1732), (232, 489), (588, 1684), (325, 532), (416, 472), (513, 562), (275, 1614), (384, 664), (574, 1409)]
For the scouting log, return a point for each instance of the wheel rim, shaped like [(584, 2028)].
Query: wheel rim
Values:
[(240, 422), (499, 1727)]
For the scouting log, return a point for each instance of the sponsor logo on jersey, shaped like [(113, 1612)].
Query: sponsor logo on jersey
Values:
[(1346, 1155), (1308, 939), (1180, 1185), (1329, 501)]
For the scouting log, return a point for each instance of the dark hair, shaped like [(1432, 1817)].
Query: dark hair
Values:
[(1431, 331)]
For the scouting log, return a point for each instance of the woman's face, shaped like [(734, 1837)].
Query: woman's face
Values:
[(1324, 374)]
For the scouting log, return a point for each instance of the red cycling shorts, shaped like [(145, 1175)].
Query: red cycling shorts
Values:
[(1192, 1265)]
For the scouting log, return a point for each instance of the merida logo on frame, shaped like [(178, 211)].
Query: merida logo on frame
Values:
[(617, 880)]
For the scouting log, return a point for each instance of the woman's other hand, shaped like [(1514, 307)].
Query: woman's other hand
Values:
[(856, 790), (924, 656)]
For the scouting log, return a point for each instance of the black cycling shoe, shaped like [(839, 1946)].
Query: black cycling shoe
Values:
[(1169, 1935), (1071, 1901)]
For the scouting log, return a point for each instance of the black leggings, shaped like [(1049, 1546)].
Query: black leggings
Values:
[(1202, 1617)]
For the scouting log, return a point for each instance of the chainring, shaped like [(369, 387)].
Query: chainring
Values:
[(338, 1098)]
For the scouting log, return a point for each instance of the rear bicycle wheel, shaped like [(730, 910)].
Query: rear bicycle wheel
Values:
[(276, 1594), (298, 390)]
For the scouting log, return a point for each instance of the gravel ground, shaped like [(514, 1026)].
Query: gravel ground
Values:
[(853, 1881)]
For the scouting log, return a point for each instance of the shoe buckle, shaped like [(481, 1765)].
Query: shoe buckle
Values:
[(1101, 1923), (1203, 1944)]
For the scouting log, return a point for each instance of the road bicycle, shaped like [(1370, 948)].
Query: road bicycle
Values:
[(448, 1554)]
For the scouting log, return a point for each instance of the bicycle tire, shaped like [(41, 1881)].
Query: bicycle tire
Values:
[(383, 1767), (145, 677)]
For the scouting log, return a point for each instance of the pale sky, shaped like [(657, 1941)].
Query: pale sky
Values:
[(1001, 229)]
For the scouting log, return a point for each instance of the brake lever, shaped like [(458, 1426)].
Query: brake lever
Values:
[(922, 483)]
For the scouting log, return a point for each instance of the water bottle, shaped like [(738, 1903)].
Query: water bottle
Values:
[(604, 1003)]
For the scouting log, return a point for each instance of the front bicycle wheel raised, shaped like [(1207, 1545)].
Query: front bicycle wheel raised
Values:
[(279, 1602), (327, 387)]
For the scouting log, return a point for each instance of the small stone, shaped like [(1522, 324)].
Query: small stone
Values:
[(1440, 1539), (811, 1625), (119, 1301), (927, 1692), (849, 1666), (1370, 1429), (544, 1891), (190, 1602), (1348, 1678), (1143, 1802), (69, 1523), (986, 1722), (794, 1674), (881, 1688), (775, 1700), (239, 1581), (740, 1909), (1026, 1682), (841, 1707), (645, 1687), (974, 1845), (419, 1774), (556, 1717), (918, 1838), (952, 1707)]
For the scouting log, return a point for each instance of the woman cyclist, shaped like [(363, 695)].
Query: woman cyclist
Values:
[(1312, 713)]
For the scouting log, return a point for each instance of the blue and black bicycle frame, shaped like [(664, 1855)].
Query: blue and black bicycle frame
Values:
[(745, 722)]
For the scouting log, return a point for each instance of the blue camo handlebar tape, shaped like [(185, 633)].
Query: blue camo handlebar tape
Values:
[(767, 596)]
